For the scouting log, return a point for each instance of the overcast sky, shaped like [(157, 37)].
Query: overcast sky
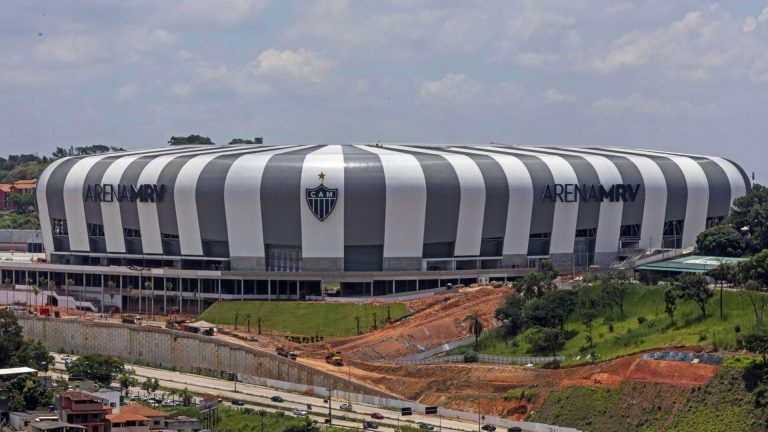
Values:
[(674, 75)]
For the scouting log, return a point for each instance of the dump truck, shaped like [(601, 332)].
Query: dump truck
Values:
[(283, 352), (333, 357)]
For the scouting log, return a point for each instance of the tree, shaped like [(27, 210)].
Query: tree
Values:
[(96, 367), (693, 287), (257, 140), (10, 337), (475, 324), (758, 301), (546, 340), (670, 303), (614, 294), (510, 313), (190, 140), (28, 393), (186, 396), (535, 283), (588, 317), (126, 381), (720, 240), (31, 353), (146, 385), (749, 214), (755, 268), (67, 284), (24, 200), (149, 286), (111, 292), (757, 342)]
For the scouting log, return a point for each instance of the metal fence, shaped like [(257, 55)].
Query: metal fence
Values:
[(483, 358)]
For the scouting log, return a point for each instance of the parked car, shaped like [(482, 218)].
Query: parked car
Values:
[(346, 407), (425, 426), (489, 428), (514, 429), (277, 399), (298, 412), (370, 425), (377, 416), (168, 403), (238, 402), (135, 397)]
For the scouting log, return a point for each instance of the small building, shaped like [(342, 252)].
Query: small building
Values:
[(83, 409), (156, 418), (127, 422), (687, 264), (8, 189), (20, 420), (112, 397), (54, 426), (11, 373), (183, 424)]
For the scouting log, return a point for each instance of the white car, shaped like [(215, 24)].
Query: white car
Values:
[(299, 412), (346, 407)]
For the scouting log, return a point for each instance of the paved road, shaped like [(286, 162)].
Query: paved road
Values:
[(257, 396)]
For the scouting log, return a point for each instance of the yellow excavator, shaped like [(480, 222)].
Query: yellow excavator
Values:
[(333, 357)]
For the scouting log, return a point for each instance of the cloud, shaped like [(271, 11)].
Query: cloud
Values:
[(127, 92), (302, 65), (638, 103), (221, 12), (533, 20), (69, 49), (554, 95), (451, 86), (750, 22)]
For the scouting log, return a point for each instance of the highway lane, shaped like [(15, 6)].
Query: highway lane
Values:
[(262, 397)]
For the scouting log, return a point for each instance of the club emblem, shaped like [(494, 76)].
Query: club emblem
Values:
[(321, 200)]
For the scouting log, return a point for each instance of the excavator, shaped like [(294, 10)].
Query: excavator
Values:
[(333, 357)]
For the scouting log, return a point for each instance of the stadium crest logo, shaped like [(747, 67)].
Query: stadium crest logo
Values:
[(321, 200)]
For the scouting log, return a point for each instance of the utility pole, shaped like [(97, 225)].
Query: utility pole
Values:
[(330, 416)]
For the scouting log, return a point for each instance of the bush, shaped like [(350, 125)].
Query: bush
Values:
[(610, 327), (471, 357), (641, 319), (554, 364), (518, 394)]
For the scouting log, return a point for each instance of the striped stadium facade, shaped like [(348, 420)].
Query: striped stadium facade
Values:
[(312, 210)]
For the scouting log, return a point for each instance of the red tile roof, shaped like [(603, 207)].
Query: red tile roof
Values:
[(142, 411)]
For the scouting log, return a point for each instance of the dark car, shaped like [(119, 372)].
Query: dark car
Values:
[(377, 416), (370, 425), (489, 428), (514, 429), (277, 399), (239, 402), (425, 426)]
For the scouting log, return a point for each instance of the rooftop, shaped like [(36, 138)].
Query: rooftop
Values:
[(126, 417), (690, 264), (16, 371), (142, 411)]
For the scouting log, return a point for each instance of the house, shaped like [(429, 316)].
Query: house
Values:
[(54, 426), (20, 420), (83, 409), (126, 422), (180, 423), (156, 418), (8, 189)]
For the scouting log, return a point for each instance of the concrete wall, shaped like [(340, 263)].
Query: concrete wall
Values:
[(180, 350)]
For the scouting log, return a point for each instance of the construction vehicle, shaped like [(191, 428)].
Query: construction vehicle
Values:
[(283, 352), (333, 357)]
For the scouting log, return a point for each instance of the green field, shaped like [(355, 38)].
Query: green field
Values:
[(629, 336), (302, 318), (725, 404)]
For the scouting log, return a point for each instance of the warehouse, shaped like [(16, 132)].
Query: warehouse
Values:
[(367, 213)]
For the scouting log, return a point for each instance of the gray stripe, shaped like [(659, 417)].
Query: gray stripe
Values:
[(743, 173), (282, 198), (443, 197), (54, 189), (496, 193), (365, 198), (677, 187), (209, 195), (633, 210)]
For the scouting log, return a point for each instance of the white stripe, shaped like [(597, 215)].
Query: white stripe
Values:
[(566, 215), (110, 211), (242, 201), (74, 203), (406, 206), (609, 219), (469, 232), (323, 238), (149, 221), (655, 204), (185, 200), (42, 207), (520, 203), (697, 203)]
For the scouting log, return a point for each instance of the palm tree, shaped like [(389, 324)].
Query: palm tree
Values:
[(127, 381), (67, 284), (30, 282), (169, 289), (8, 286), (475, 324), (129, 289), (112, 292), (51, 287)]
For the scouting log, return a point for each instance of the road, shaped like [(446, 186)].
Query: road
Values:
[(260, 397)]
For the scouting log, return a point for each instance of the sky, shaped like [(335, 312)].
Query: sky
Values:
[(681, 75)]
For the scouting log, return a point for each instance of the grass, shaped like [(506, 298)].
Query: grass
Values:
[(724, 404), (629, 336), (303, 318)]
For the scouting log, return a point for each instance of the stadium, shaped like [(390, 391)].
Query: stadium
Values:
[(259, 221)]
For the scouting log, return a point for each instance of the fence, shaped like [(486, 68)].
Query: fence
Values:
[(482, 358)]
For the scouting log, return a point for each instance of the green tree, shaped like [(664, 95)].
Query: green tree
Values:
[(757, 299), (96, 367), (755, 268), (10, 337), (588, 318), (510, 313), (28, 393), (757, 342), (749, 214), (545, 340), (24, 200), (33, 354), (614, 294), (475, 324), (720, 240), (670, 303), (126, 381), (693, 287), (551, 310), (190, 140)]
